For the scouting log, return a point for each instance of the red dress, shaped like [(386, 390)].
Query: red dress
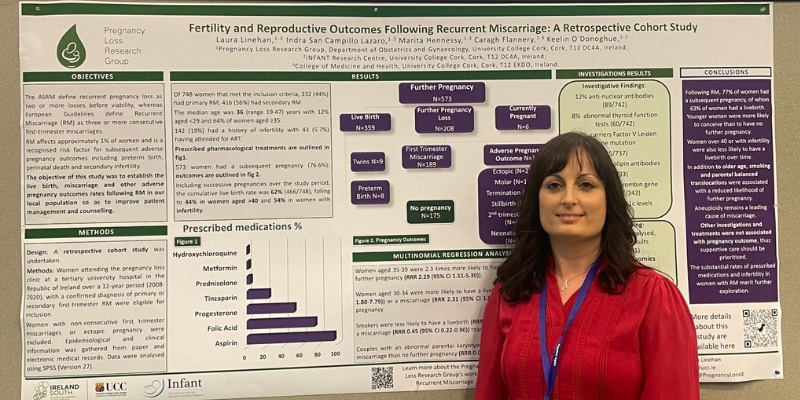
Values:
[(637, 345)]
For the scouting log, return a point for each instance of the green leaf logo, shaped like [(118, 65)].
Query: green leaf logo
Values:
[(70, 50)]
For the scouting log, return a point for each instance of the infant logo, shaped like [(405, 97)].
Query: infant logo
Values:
[(70, 51), (154, 389)]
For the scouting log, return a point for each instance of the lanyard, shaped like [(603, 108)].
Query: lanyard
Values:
[(550, 369)]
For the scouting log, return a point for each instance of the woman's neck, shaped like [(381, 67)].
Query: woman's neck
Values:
[(572, 259)]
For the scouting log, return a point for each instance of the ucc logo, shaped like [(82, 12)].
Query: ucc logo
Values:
[(104, 387)]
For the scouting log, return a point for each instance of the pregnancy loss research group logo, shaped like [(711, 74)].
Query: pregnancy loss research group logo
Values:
[(70, 51)]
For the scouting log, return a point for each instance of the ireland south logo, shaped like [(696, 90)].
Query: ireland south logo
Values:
[(70, 50)]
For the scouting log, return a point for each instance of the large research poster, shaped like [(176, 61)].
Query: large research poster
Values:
[(260, 200)]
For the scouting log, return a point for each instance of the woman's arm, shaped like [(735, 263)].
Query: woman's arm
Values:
[(490, 385), (668, 346)]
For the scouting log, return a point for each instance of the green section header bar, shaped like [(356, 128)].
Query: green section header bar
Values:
[(358, 76), (614, 73), (114, 231), (39, 9), (430, 255), (91, 76)]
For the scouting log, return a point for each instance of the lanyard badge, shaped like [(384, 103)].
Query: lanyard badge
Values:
[(551, 368)]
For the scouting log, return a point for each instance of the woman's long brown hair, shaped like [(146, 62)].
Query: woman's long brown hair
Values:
[(523, 272)]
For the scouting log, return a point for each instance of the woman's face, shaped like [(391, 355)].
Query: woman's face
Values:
[(572, 202)]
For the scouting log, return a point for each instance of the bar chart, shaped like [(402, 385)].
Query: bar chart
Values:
[(293, 291)]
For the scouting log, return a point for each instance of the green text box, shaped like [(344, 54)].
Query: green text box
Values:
[(424, 255), (239, 76), (656, 246), (614, 73), (113, 231), (632, 119), (430, 212), (96, 76)]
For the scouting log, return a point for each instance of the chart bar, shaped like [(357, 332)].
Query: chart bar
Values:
[(287, 322), (271, 308), (264, 293), (291, 337)]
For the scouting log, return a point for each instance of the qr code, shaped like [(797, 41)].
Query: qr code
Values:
[(760, 328), (382, 377)]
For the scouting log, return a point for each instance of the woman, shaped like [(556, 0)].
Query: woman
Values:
[(614, 329)]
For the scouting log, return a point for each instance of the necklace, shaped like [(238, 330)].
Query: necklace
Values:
[(566, 280)]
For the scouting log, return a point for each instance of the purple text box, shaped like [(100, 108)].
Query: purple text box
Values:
[(369, 192), (442, 92), (499, 194), (510, 154), (367, 161), (522, 118), (729, 189), (427, 156), (370, 122), (444, 119)]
